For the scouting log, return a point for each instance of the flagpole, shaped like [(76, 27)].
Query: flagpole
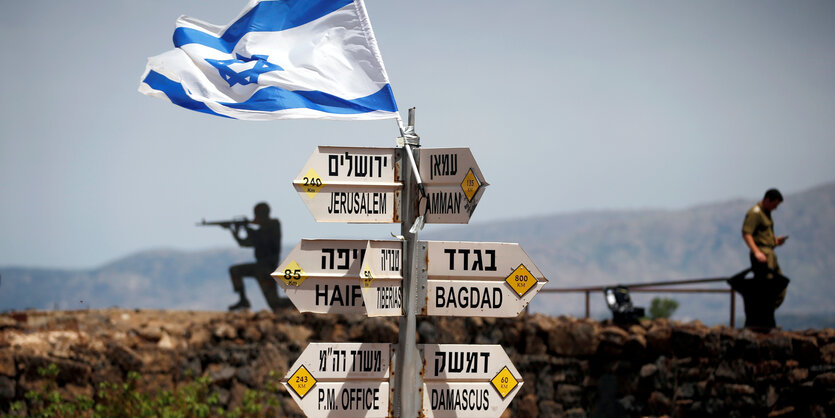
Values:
[(409, 131)]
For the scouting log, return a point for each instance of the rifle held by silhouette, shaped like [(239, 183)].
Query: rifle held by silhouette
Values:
[(237, 222)]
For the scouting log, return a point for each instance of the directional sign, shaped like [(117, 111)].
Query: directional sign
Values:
[(342, 379), (453, 183), (326, 276), (382, 278), (354, 379), (351, 184), (487, 279), (467, 380)]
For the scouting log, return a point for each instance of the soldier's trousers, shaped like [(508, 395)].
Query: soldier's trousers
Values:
[(260, 272), (766, 270)]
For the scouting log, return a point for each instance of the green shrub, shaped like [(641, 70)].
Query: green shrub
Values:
[(662, 308), (193, 399)]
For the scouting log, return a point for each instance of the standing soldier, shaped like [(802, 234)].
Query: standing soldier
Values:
[(758, 233), (266, 240)]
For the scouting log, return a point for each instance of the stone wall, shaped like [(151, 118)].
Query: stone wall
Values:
[(571, 367)]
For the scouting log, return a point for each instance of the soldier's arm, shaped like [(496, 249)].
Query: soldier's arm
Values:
[(749, 241), (246, 242)]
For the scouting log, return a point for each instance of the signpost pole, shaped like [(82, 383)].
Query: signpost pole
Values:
[(406, 393)]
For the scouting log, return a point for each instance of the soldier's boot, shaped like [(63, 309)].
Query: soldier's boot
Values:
[(242, 304)]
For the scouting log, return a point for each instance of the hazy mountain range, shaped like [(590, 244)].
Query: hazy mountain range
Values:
[(575, 249)]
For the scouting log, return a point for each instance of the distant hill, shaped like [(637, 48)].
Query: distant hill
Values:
[(156, 279), (576, 249), (603, 248)]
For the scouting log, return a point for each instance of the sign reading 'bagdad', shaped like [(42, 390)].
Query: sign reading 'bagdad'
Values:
[(354, 379), (453, 184), (332, 276), (487, 279), (351, 184)]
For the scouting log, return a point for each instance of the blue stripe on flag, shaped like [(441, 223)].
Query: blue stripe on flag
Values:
[(176, 93), (270, 99), (267, 16)]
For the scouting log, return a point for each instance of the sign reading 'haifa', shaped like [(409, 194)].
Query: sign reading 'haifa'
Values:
[(331, 276), (487, 279), (351, 184)]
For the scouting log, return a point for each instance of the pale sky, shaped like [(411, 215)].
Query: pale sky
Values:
[(566, 106)]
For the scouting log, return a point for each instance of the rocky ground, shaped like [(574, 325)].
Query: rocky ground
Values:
[(572, 367)]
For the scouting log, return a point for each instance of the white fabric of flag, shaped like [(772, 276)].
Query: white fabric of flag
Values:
[(280, 59)]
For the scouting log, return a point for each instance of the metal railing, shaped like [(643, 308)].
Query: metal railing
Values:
[(655, 287)]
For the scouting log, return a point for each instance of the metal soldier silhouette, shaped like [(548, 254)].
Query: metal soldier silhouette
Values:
[(266, 240)]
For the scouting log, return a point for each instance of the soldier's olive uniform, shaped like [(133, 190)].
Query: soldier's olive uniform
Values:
[(759, 225)]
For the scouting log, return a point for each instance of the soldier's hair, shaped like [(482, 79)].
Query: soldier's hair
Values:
[(262, 209), (773, 194)]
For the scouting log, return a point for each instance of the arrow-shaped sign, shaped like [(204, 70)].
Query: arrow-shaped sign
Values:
[(342, 379), (453, 183), (330, 276), (488, 279), (351, 184), (363, 185), (355, 379), (467, 380), (382, 278)]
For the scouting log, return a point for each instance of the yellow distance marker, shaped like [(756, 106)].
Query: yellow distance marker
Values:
[(367, 276), (301, 381), (293, 274), (504, 382), (470, 185), (521, 280), (312, 183)]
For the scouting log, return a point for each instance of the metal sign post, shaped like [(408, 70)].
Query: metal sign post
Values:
[(406, 393)]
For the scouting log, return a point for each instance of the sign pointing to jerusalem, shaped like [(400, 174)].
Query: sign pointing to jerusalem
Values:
[(342, 379), (467, 380), (326, 276), (487, 279), (453, 184), (351, 184)]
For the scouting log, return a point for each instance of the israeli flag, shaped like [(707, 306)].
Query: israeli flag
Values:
[(280, 59)]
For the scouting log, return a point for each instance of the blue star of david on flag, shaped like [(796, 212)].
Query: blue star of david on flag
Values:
[(245, 77), (279, 59)]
